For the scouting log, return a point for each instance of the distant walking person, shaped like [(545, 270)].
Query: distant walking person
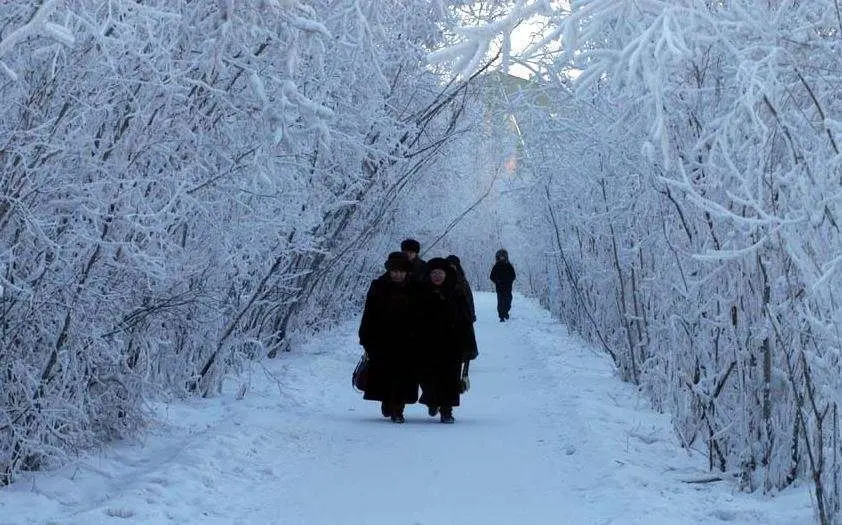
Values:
[(418, 268), (503, 276), (387, 329)]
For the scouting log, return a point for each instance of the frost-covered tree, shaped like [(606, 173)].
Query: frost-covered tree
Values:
[(187, 184), (692, 181), (455, 208)]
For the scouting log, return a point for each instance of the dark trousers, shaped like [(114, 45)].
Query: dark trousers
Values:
[(504, 301)]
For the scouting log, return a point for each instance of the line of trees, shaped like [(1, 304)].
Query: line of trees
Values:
[(185, 186), (688, 182)]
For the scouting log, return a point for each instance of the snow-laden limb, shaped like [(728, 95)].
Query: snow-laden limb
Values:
[(8, 71), (719, 256), (308, 25), (38, 24), (59, 33), (474, 43)]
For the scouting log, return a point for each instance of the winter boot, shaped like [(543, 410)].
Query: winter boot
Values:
[(385, 409), (397, 413), (447, 415), (433, 410)]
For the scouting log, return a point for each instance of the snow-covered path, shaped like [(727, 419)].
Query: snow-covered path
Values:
[(546, 435)]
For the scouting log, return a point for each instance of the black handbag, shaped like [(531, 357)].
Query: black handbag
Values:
[(359, 379)]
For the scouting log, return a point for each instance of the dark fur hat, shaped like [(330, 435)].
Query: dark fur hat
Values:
[(437, 263), (397, 261), (457, 265), (410, 245)]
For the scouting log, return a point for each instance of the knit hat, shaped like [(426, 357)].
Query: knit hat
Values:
[(452, 259), (397, 261), (410, 245)]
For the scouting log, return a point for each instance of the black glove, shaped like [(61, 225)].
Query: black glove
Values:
[(464, 381)]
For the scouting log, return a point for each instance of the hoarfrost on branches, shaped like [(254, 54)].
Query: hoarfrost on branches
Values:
[(188, 187), (688, 177)]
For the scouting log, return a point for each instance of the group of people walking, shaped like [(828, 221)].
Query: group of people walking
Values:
[(417, 331)]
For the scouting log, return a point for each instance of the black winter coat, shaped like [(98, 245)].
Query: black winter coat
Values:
[(419, 272), (463, 288), (503, 275), (445, 327), (388, 332)]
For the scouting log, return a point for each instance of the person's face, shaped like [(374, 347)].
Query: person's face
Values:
[(397, 276), (437, 276), (410, 255)]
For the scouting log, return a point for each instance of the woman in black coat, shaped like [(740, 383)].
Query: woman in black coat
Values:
[(462, 284), (463, 288), (445, 326), (387, 331)]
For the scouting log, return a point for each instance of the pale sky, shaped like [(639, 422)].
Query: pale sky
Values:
[(521, 39)]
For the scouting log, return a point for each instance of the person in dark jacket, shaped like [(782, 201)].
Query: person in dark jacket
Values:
[(445, 321), (389, 325), (411, 249), (503, 276), (463, 288), (462, 285)]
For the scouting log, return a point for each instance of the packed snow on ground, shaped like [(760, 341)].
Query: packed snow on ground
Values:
[(546, 435)]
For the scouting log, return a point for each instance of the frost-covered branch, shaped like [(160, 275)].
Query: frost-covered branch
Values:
[(38, 24)]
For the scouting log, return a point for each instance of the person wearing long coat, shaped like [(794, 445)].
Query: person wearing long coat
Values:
[(445, 323), (387, 332), (463, 288), (503, 276)]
